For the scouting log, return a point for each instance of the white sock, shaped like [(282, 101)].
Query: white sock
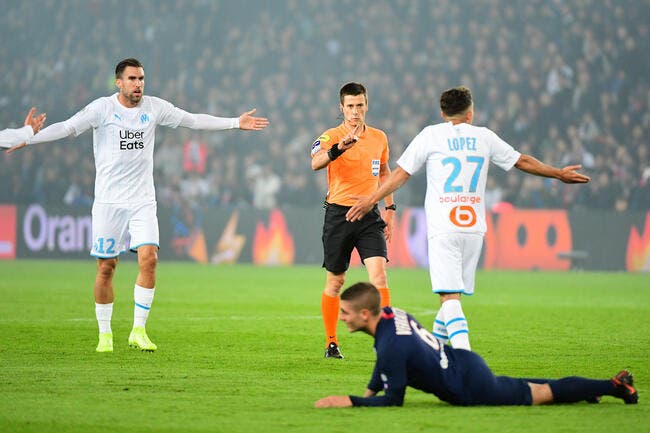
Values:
[(104, 312), (143, 299), (439, 328), (456, 324)]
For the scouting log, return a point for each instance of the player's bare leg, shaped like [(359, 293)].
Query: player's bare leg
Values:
[(147, 261), (330, 304), (143, 294), (376, 267), (104, 296)]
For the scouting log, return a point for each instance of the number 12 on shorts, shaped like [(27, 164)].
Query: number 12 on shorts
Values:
[(102, 243)]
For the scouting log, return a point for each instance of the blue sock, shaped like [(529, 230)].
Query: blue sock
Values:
[(572, 389)]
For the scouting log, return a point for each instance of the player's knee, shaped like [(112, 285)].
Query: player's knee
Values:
[(106, 268), (148, 261), (540, 393)]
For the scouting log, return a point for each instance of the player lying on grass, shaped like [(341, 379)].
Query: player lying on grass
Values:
[(408, 355)]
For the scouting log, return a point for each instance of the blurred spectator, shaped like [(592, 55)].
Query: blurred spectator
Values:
[(568, 78), (266, 186)]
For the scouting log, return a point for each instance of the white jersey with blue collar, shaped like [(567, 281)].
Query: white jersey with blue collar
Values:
[(123, 142), (456, 159)]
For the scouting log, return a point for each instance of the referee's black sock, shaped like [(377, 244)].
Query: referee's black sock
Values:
[(573, 389)]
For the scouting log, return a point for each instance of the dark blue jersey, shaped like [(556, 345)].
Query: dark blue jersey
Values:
[(409, 355)]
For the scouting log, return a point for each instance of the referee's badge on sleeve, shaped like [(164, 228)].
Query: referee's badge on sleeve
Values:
[(315, 147), (375, 167)]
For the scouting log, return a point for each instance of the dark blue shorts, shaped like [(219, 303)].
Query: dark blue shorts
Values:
[(478, 386)]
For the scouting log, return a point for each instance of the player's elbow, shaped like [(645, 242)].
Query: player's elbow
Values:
[(395, 402), (391, 399), (525, 163)]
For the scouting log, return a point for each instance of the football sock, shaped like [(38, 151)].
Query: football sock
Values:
[(104, 312), (573, 389), (456, 324), (330, 309), (439, 328), (385, 297), (143, 299)]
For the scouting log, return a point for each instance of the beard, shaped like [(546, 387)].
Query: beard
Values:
[(134, 98)]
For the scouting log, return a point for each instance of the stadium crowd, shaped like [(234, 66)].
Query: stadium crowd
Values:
[(565, 81)]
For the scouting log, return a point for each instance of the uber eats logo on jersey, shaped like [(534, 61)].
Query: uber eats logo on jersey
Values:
[(130, 140)]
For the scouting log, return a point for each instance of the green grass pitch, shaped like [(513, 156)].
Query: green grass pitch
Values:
[(240, 349)]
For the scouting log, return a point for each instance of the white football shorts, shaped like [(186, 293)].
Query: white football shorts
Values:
[(453, 258), (111, 223)]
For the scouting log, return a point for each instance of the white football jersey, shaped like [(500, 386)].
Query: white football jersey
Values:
[(12, 137), (123, 142), (457, 159)]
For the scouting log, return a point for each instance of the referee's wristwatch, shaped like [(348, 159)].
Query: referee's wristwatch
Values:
[(391, 207)]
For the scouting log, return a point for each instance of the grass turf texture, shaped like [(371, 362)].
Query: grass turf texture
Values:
[(241, 350)]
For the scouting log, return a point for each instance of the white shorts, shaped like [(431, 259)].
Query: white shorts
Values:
[(453, 258), (112, 223)]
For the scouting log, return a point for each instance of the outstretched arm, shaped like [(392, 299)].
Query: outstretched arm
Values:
[(389, 373), (397, 178), (394, 397), (207, 122), (55, 131), (77, 124), (568, 174)]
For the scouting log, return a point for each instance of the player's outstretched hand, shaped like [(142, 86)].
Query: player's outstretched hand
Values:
[(360, 208), (250, 123), (16, 147), (36, 122), (334, 401), (569, 174)]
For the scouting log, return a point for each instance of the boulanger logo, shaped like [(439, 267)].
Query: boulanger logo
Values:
[(462, 216)]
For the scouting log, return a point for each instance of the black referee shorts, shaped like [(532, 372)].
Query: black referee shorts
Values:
[(340, 237)]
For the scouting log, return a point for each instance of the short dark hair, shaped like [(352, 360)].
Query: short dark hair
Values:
[(123, 65), (353, 89), (455, 101), (363, 295)]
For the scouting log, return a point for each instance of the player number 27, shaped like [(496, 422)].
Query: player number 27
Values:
[(456, 166)]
